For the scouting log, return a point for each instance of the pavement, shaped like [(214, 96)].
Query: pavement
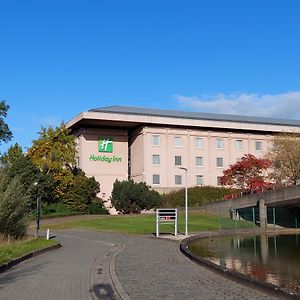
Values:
[(96, 265)]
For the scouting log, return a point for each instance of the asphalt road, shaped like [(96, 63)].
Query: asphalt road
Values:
[(95, 265)]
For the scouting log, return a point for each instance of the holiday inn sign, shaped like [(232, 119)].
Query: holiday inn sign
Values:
[(105, 144)]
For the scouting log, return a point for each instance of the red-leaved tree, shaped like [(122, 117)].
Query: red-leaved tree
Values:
[(248, 174)]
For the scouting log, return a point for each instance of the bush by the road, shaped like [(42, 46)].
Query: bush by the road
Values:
[(14, 209), (131, 197)]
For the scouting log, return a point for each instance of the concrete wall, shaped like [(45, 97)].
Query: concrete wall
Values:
[(284, 197), (115, 164), (137, 155)]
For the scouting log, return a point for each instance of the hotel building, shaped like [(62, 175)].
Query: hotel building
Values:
[(155, 146)]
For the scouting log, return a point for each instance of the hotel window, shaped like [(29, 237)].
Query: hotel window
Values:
[(258, 146), (219, 162), (177, 141), (219, 144), (155, 159), (199, 143), (156, 179), (177, 160), (178, 179), (238, 145), (155, 140), (219, 180), (199, 161), (199, 180)]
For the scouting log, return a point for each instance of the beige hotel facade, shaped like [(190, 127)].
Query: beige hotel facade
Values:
[(152, 145)]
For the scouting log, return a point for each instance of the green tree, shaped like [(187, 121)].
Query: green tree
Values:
[(15, 164), (54, 153), (5, 133), (54, 150), (14, 210), (13, 154), (285, 158), (130, 197), (81, 191)]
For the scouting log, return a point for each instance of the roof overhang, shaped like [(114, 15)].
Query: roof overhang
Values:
[(131, 121)]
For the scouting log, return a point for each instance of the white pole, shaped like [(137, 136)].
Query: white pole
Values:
[(186, 203), (186, 199), (157, 224), (48, 234)]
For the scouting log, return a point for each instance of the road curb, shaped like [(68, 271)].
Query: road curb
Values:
[(113, 274), (18, 260)]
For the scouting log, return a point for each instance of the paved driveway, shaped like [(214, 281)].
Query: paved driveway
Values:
[(94, 265)]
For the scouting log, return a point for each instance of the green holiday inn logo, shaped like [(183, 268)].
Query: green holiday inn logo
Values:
[(105, 144)]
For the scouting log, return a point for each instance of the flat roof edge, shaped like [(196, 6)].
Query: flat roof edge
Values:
[(142, 120), (140, 111)]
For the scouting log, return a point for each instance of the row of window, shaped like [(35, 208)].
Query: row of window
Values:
[(199, 180), (178, 160), (199, 143)]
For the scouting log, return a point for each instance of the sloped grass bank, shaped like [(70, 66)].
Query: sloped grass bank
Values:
[(145, 223)]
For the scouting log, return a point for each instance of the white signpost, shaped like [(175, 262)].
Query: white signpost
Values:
[(166, 216)]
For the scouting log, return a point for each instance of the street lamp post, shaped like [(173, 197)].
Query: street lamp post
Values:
[(38, 214), (186, 199)]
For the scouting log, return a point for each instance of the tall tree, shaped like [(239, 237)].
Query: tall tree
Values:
[(13, 154), (54, 153), (5, 133), (247, 174), (15, 164), (54, 150), (285, 158)]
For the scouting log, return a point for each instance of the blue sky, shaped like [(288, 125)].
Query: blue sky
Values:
[(61, 57)]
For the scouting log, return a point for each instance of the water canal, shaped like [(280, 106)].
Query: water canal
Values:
[(273, 259)]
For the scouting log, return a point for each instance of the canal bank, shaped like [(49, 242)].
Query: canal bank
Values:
[(231, 265)]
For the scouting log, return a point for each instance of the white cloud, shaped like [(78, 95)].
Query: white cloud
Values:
[(285, 105)]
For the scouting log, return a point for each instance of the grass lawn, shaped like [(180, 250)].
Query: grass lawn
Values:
[(145, 223), (19, 248)]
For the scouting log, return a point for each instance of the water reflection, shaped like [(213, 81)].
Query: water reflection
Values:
[(274, 259)]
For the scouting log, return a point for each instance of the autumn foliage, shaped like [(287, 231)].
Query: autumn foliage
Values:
[(249, 174), (285, 158)]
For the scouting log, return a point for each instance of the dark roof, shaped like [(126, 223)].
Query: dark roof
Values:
[(131, 110)]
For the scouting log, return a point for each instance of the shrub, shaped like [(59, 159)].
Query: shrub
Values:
[(14, 210), (197, 196), (130, 197), (97, 208), (57, 210)]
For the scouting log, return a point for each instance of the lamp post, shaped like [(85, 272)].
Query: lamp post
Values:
[(38, 214), (186, 199)]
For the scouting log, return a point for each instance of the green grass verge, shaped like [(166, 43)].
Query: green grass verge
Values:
[(145, 223), (17, 249)]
